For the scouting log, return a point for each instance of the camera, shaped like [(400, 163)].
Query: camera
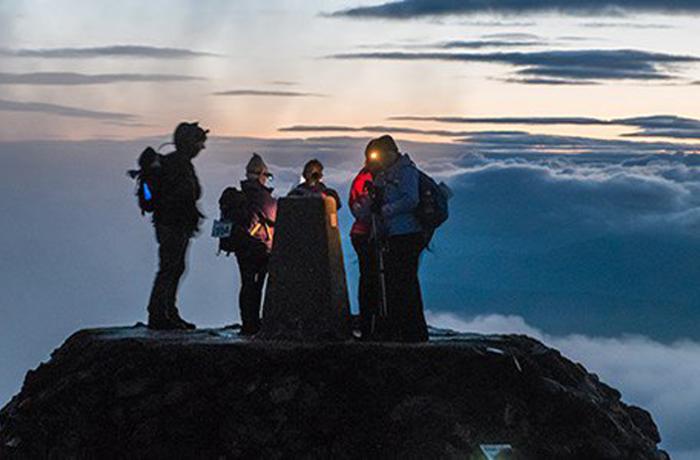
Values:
[(376, 195)]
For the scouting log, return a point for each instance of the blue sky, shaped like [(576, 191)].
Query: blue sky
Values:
[(568, 134)]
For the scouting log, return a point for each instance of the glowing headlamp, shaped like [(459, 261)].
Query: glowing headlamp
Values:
[(374, 155)]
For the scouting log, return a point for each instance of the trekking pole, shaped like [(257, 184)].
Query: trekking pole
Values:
[(379, 248)]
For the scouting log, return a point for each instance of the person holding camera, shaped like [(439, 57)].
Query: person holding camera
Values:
[(389, 240), (313, 183)]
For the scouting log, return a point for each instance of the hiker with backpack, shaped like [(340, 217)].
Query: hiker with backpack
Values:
[(250, 215), (313, 183), (397, 209), (169, 188)]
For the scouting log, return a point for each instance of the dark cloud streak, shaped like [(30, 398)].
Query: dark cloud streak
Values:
[(266, 93), (372, 129), (119, 51), (513, 142), (587, 65), (624, 25), (665, 126), (478, 44), (548, 81), (410, 9), (79, 79), (62, 110), (509, 120)]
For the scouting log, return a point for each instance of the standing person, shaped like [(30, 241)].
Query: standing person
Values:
[(176, 220), (368, 290), (313, 183), (395, 200), (254, 257)]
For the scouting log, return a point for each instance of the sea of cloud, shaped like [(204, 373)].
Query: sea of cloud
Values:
[(594, 254)]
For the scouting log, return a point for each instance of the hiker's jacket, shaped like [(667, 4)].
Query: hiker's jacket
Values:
[(263, 208), (178, 195), (304, 189), (360, 203), (400, 183)]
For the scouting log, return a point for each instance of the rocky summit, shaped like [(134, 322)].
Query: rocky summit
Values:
[(134, 393)]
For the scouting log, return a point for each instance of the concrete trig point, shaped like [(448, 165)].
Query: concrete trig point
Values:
[(306, 297)]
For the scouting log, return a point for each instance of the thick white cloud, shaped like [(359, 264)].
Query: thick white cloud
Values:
[(659, 377), (631, 195)]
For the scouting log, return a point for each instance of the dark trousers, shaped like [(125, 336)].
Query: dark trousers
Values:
[(404, 299), (172, 250), (253, 269), (405, 321), (368, 289)]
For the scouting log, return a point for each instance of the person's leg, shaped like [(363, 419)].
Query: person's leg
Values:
[(368, 282), (257, 294), (406, 317), (169, 271), (180, 257), (247, 275), (415, 329), (253, 270)]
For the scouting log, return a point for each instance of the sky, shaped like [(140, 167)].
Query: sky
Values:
[(567, 130)]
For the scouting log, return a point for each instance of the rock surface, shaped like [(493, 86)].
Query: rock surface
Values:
[(306, 296), (134, 393)]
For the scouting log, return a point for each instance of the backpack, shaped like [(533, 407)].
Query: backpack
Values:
[(432, 210), (235, 219), (147, 179)]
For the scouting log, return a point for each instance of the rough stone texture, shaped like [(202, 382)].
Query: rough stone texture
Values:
[(132, 393), (306, 296)]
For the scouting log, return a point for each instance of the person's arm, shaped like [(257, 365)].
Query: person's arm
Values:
[(361, 207), (333, 194), (408, 193), (359, 197)]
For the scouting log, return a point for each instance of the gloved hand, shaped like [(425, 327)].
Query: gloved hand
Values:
[(375, 206)]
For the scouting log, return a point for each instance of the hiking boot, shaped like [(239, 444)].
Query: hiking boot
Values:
[(174, 316), (182, 324), (163, 324), (248, 332)]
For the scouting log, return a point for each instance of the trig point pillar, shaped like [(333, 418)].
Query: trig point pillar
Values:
[(306, 297)]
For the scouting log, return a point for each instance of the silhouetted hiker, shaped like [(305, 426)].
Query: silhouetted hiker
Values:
[(368, 292), (392, 196), (252, 212), (176, 219), (313, 183)]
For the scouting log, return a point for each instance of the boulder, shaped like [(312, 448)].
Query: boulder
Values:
[(137, 394)]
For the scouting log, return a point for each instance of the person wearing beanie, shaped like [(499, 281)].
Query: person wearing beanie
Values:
[(313, 183), (388, 187), (176, 219), (253, 259)]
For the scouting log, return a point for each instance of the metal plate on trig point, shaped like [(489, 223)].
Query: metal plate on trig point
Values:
[(497, 451)]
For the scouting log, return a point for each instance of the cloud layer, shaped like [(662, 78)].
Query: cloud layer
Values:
[(668, 126), (407, 9), (80, 79), (502, 141), (563, 65), (266, 93), (61, 110), (121, 51)]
